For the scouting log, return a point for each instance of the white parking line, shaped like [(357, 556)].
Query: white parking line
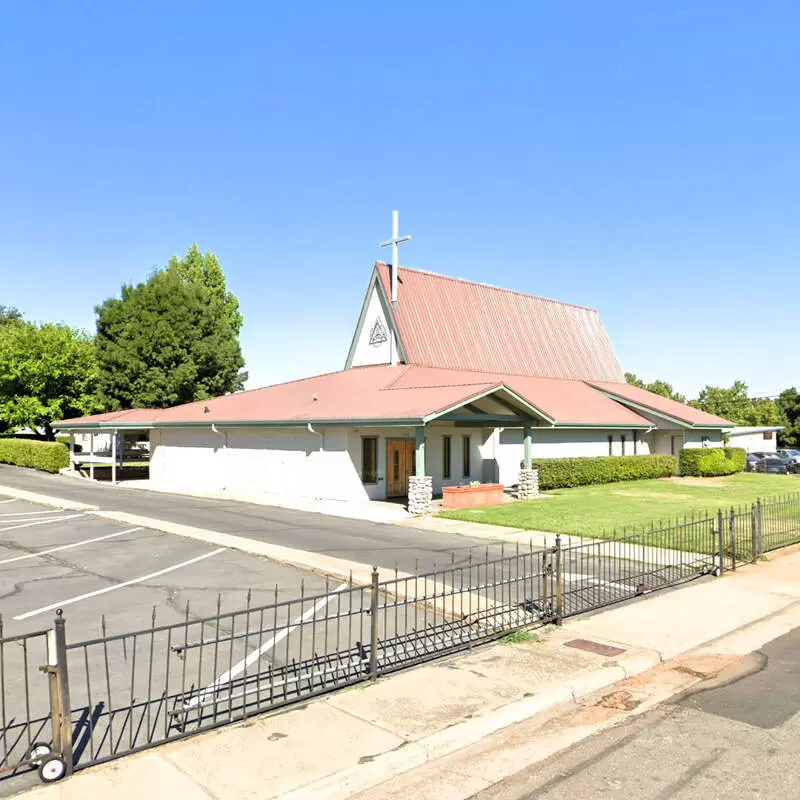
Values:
[(238, 669), (40, 522), (574, 577), (116, 586), (32, 513), (12, 500), (67, 546)]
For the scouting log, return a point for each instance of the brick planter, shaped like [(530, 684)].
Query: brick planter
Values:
[(487, 494)]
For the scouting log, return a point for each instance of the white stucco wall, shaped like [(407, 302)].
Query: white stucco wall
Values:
[(755, 442), (561, 443), (256, 461), (366, 353)]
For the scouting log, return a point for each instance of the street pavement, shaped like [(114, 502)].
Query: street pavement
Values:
[(735, 737)]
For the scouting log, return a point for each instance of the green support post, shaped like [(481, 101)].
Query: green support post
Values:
[(420, 454)]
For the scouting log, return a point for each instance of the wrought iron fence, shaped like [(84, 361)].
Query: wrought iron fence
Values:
[(132, 690)]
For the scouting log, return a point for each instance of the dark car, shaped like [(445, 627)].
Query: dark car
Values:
[(769, 463)]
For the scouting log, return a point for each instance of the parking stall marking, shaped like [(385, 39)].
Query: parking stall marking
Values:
[(238, 669), (32, 513), (67, 546), (40, 522), (11, 500), (142, 578)]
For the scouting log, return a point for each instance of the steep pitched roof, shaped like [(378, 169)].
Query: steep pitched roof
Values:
[(456, 324), (662, 406)]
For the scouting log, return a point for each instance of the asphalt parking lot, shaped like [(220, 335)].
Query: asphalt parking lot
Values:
[(91, 567)]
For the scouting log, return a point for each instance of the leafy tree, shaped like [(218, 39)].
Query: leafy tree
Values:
[(47, 372), (657, 387), (9, 314), (167, 341), (789, 403), (732, 404), (195, 267), (763, 411)]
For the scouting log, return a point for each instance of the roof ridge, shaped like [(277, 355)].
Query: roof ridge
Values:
[(489, 286)]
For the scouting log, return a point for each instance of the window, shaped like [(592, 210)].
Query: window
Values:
[(611, 445), (465, 456), (705, 441), (633, 436), (768, 435), (369, 459), (446, 457), (622, 443)]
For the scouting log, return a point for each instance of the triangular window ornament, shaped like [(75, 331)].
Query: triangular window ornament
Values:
[(377, 334)]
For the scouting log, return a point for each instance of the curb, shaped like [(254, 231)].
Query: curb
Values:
[(360, 778), (46, 500)]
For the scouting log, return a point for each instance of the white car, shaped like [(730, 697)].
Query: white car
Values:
[(794, 455)]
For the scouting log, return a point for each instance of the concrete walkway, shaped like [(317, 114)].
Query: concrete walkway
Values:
[(351, 741)]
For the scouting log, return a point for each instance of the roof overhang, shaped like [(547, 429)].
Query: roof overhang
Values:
[(661, 415)]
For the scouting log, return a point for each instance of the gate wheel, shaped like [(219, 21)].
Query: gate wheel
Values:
[(37, 751), (52, 768)]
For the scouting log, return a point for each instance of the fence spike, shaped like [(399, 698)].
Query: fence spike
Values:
[(249, 596), (153, 618)]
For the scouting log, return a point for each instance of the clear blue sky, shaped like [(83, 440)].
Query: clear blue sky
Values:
[(640, 158)]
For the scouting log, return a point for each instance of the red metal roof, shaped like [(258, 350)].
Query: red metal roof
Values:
[(456, 324), (662, 405), (381, 392)]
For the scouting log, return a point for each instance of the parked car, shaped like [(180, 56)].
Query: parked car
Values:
[(794, 455), (757, 462)]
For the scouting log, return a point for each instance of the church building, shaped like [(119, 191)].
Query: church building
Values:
[(446, 382)]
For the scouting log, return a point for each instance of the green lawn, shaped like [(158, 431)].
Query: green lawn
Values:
[(595, 511)]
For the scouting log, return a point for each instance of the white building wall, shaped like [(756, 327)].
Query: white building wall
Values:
[(755, 442), (562, 443), (366, 353), (702, 439), (253, 461)]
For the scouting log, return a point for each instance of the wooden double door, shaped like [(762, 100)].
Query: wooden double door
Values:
[(401, 464)]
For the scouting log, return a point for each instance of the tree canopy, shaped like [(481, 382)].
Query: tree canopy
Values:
[(657, 387), (171, 339), (789, 404), (47, 372)]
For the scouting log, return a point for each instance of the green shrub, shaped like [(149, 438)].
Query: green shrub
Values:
[(707, 462), (46, 456), (559, 473)]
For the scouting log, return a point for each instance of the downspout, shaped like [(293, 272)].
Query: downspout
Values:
[(318, 472)]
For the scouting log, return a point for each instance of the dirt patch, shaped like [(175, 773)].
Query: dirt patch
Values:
[(655, 495), (619, 701), (718, 481)]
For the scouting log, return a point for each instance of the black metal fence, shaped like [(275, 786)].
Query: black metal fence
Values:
[(128, 691)]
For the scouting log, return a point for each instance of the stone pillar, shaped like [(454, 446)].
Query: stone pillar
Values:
[(528, 484), (420, 492)]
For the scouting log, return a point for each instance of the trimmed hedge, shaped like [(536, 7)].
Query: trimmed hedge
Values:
[(707, 462), (45, 456), (560, 473)]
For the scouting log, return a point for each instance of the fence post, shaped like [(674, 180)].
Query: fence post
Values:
[(719, 542), (754, 532), (758, 527), (732, 526), (373, 630), (64, 709), (559, 584)]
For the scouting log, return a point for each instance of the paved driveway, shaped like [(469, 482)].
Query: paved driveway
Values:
[(378, 543)]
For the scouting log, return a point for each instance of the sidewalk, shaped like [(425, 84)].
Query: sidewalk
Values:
[(348, 742)]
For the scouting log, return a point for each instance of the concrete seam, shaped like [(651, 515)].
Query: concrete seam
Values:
[(205, 790)]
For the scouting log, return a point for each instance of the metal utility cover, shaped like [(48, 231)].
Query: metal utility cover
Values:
[(594, 647)]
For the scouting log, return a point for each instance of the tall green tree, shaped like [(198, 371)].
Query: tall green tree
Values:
[(205, 269), (731, 403), (47, 372), (789, 404), (167, 341)]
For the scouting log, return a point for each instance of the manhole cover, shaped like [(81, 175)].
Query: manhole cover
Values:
[(594, 647)]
